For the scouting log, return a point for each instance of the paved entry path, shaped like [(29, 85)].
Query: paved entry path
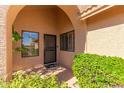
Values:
[(63, 74)]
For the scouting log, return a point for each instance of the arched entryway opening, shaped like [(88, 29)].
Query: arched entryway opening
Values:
[(71, 13)]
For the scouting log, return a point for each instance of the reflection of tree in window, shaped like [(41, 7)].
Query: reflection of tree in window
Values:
[(31, 41)]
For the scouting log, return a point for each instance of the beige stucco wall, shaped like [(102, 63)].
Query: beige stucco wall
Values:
[(105, 34)]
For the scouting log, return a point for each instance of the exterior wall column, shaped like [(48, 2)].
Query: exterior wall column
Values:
[(3, 42)]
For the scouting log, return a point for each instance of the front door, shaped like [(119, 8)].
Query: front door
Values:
[(49, 50)]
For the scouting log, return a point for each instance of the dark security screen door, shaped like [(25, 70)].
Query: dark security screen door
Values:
[(49, 50)]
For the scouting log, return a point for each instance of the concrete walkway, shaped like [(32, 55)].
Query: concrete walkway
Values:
[(63, 74)]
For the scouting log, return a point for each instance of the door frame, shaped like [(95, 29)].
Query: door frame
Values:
[(55, 47)]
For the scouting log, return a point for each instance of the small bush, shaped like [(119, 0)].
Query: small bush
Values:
[(33, 80), (2, 84), (94, 71)]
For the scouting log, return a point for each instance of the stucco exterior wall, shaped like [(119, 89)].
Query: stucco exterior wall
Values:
[(105, 33), (64, 25), (3, 42)]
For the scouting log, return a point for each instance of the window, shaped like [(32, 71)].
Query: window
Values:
[(30, 44), (67, 41)]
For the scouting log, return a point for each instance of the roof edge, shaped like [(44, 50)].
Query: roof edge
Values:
[(93, 10)]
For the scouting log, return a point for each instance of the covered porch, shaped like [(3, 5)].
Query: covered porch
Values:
[(41, 29), (56, 30)]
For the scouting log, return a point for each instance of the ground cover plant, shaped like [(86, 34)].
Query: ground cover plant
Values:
[(32, 80), (95, 71)]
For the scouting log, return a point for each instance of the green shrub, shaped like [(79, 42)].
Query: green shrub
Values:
[(2, 84), (94, 71), (33, 80)]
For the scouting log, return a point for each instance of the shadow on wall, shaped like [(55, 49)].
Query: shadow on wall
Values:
[(108, 18)]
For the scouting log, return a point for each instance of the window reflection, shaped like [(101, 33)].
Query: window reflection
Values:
[(30, 43)]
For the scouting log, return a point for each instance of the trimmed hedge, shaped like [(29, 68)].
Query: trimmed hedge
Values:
[(95, 71), (33, 80)]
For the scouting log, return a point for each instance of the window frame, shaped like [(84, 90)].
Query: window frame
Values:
[(22, 43), (65, 47)]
